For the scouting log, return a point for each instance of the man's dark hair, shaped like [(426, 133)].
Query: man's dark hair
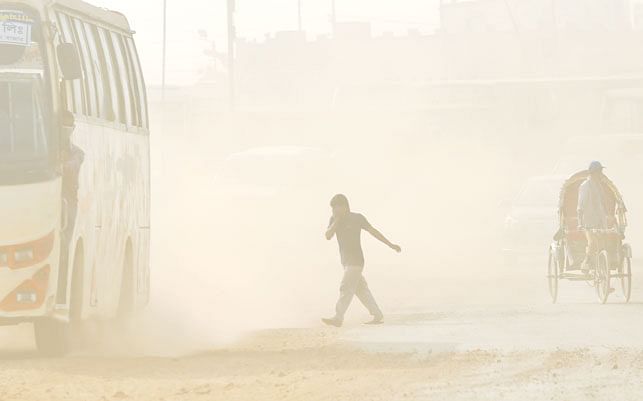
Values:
[(339, 200)]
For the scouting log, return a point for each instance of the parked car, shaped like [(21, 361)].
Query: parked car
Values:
[(531, 221)]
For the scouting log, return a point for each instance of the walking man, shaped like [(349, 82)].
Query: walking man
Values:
[(347, 226)]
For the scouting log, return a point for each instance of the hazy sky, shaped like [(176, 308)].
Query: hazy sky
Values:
[(255, 19)]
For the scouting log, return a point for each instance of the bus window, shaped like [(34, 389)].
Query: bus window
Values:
[(112, 72), (102, 90), (74, 90), (136, 98), (90, 83), (139, 81), (119, 51), (22, 102), (22, 127)]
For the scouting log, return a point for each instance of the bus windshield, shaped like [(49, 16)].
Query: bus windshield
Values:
[(23, 132)]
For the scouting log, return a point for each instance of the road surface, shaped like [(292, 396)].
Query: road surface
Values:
[(489, 348)]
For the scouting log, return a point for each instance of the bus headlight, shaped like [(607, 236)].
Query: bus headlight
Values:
[(30, 294), (26, 297), (27, 254), (24, 255)]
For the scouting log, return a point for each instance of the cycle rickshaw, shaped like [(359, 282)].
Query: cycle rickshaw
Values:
[(612, 259)]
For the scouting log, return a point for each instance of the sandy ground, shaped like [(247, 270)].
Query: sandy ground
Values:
[(484, 349)]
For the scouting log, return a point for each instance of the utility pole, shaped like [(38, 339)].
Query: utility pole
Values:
[(333, 17), (231, 40), (554, 19), (512, 17), (299, 14), (164, 49), (440, 11)]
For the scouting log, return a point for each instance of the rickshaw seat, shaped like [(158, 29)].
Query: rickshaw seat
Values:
[(575, 235), (571, 223)]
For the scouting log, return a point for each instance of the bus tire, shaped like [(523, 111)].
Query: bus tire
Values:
[(76, 332), (52, 337), (126, 303)]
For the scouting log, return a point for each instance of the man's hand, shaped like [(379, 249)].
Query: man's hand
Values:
[(375, 233), (332, 229), (337, 217)]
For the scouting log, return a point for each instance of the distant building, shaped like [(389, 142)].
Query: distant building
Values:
[(636, 12), (492, 39), (538, 61), (458, 16), (353, 31)]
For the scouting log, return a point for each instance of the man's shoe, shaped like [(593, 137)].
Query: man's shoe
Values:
[(376, 320), (332, 322)]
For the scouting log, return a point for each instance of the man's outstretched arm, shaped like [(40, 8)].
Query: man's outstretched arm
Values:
[(375, 233)]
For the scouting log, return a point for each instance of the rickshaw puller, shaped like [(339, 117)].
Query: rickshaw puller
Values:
[(592, 212)]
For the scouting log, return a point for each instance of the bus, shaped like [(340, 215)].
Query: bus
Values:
[(74, 169)]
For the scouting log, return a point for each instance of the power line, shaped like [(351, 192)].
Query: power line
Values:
[(164, 49), (333, 17), (231, 41)]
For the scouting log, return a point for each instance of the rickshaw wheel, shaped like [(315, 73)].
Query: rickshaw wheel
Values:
[(552, 275), (602, 276), (626, 277)]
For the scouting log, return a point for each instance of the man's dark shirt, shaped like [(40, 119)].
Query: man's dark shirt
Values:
[(348, 234), (71, 170)]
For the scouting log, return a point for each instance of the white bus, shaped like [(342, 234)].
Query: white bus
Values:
[(74, 238)]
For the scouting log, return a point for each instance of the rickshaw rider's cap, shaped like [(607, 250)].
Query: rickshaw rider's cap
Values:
[(596, 166)]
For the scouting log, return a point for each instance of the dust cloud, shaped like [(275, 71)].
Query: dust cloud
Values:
[(453, 143), (233, 256), (435, 148)]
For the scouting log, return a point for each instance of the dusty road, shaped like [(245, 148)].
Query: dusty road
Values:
[(577, 350)]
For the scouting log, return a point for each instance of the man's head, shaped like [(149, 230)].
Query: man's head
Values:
[(340, 205), (596, 168)]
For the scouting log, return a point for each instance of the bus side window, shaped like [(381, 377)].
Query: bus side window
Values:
[(142, 95), (136, 97), (105, 110), (74, 89), (119, 51), (114, 78), (90, 82)]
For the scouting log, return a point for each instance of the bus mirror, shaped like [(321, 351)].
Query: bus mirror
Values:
[(69, 61)]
